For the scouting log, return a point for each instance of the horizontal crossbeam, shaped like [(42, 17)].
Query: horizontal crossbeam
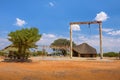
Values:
[(89, 22)]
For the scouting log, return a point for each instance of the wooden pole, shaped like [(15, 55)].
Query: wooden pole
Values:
[(119, 55), (70, 41), (100, 32)]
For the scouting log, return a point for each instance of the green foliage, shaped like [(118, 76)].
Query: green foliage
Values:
[(58, 53), (34, 54), (110, 54), (62, 43), (24, 39), (2, 53), (39, 53)]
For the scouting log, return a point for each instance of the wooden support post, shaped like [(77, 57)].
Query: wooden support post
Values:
[(71, 41), (119, 55), (100, 33)]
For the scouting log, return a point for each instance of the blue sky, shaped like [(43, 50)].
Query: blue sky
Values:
[(52, 18)]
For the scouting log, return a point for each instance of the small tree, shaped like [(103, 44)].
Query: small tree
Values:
[(24, 39), (61, 43)]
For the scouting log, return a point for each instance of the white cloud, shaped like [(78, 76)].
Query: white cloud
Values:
[(49, 35), (92, 40), (46, 39), (111, 31), (106, 29), (102, 16), (20, 22), (75, 27), (4, 43), (109, 43), (114, 33), (51, 4)]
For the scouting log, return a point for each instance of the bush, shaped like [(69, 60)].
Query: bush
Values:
[(38, 53), (110, 54)]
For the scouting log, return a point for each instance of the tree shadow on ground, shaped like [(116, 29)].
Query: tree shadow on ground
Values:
[(17, 60)]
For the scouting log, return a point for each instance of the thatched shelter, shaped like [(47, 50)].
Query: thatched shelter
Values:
[(84, 50), (10, 48)]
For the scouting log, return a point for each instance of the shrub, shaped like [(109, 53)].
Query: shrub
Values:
[(38, 53), (110, 54)]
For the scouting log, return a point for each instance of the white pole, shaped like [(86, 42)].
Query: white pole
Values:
[(71, 41), (100, 32)]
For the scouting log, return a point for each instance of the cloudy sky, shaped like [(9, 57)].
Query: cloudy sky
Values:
[(52, 18)]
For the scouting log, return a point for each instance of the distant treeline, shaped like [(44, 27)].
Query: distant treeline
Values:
[(110, 54), (41, 53)]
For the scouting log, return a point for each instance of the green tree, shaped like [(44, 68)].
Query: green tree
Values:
[(63, 45), (24, 39)]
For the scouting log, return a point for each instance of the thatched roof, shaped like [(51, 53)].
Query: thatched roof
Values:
[(10, 48), (84, 48)]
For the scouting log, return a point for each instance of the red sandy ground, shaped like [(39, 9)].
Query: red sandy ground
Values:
[(61, 70)]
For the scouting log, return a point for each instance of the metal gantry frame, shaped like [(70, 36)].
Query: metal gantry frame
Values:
[(89, 22)]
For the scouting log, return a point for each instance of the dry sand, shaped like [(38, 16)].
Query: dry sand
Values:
[(61, 70)]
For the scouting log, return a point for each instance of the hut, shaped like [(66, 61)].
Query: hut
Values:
[(9, 48), (84, 50)]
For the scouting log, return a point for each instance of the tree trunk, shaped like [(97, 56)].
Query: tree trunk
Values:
[(19, 52)]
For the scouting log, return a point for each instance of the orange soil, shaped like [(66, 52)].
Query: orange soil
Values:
[(61, 70)]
